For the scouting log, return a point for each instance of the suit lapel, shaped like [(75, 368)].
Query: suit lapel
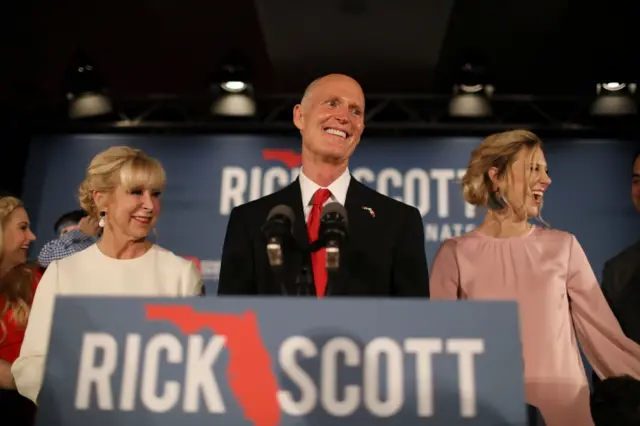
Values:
[(361, 213), (360, 228), (300, 226)]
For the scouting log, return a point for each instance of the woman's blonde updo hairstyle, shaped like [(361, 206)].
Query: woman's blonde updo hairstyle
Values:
[(16, 287), (119, 165), (498, 150)]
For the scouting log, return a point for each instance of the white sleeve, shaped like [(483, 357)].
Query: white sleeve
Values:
[(192, 283), (28, 369)]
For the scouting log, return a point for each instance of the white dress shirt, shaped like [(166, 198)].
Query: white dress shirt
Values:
[(338, 190)]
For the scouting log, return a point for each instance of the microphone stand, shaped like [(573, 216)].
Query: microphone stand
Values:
[(332, 280), (276, 261), (304, 282), (279, 277), (304, 278), (332, 265)]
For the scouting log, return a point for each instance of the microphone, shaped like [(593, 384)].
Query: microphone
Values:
[(333, 233), (278, 226)]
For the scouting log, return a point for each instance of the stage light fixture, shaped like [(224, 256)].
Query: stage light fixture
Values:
[(85, 87), (236, 97), (472, 92), (614, 99)]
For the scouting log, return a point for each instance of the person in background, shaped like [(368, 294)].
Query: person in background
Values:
[(122, 188), (546, 271), (616, 402), (76, 232), (621, 276), (69, 222), (18, 282)]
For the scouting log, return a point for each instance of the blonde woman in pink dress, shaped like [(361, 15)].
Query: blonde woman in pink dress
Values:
[(545, 270)]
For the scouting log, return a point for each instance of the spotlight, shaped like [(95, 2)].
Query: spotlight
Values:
[(472, 93), (613, 86), (614, 99), (236, 97), (85, 88), (234, 86)]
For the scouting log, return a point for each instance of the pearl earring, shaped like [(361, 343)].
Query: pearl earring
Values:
[(101, 223)]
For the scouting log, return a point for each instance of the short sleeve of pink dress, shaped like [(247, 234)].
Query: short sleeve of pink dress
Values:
[(559, 298)]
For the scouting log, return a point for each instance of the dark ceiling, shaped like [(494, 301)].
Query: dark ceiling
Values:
[(173, 46)]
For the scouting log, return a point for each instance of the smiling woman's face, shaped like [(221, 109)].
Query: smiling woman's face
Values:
[(17, 236)]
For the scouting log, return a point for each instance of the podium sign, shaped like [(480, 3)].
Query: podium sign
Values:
[(281, 362)]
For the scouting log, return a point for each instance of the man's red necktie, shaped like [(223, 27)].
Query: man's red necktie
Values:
[(313, 228)]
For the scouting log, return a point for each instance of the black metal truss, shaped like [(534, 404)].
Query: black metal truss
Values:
[(394, 113)]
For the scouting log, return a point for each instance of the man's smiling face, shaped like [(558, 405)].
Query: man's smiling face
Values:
[(331, 118)]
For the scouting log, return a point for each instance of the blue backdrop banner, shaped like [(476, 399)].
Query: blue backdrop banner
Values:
[(282, 362), (209, 175)]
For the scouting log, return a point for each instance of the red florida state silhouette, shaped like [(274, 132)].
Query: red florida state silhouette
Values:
[(287, 157), (251, 377)]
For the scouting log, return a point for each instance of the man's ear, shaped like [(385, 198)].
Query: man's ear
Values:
[(298, 117)]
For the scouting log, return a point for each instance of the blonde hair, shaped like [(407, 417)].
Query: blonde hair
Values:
[(119, 165), (498, 150), (16, 286)]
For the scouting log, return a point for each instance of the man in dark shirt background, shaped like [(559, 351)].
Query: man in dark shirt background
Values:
[(621, 276)]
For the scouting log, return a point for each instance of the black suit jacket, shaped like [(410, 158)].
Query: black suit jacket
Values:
[(384, 254), (621, 288)]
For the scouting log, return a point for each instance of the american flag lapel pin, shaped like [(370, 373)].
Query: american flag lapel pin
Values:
[(370, 210)]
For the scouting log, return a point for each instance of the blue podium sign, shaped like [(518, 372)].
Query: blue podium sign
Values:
[(282, 362)]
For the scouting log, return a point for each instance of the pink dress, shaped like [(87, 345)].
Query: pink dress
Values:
[(558, 295)]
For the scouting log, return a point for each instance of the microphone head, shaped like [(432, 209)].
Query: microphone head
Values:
[(283, 211), (333, 211)]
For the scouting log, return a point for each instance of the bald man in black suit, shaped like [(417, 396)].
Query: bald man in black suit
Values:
[(385, 251)]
